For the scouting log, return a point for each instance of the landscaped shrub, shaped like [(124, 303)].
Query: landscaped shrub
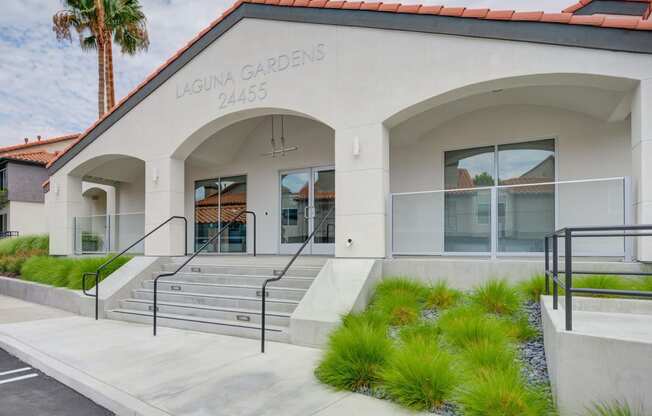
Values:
[(357, 352), (441, 296), (420, 375), (605, 282), (534, 287), (464, 326), (502, 393), (63, 271), (518, 327), (616, 408), (400, 300), (497, 296), (24, 245), (422, 331)]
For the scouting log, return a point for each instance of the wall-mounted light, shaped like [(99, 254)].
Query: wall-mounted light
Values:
[(155, 175), (356, 146), (56, 189)]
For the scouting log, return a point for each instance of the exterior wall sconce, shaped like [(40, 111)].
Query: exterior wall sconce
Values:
[(356, 146), (56, 189), (349, 242), (155, 175)]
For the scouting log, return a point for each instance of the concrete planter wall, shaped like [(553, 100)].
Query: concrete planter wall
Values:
[(57, 297)]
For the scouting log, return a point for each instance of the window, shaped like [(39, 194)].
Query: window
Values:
[(3, 179), (526, 205), (290, 216)]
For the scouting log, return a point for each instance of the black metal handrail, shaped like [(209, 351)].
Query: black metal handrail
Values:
[(7, 234), (568, 234), (97, 272), (199, 250), (280, 276)]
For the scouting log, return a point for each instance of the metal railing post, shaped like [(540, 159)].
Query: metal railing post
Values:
[(546, 264), (568, 283), (555, 272)]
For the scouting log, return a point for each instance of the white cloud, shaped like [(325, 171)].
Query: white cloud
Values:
[(49, 88)]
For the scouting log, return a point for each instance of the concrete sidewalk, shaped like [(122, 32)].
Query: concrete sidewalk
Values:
[(122, 367)]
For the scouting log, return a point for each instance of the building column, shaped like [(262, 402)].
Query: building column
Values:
[(642, 163), (164, 197), (64, 202), (362, 189)]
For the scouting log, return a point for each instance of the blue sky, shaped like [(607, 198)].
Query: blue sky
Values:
[(49, 88)]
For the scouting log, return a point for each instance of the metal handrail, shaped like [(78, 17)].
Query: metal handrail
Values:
[(584, 231), (8, 234), (97, 272), (280, 276), (199, 250)]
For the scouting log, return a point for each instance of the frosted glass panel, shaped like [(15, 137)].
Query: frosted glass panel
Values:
[(526, 214), (418, 223), (468, 221)]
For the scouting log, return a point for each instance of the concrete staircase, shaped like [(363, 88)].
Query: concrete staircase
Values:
[(223, 295)]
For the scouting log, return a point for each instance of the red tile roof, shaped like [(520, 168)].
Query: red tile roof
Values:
[(38, 143), (42, 157), (565, 17)]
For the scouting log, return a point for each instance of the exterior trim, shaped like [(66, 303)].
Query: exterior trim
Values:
[(612, 39)]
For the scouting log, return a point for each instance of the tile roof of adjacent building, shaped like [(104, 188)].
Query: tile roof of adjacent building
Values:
[(40, 157), (566, 17), (38, 142)]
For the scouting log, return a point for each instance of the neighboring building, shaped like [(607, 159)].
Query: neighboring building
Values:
[(434, 130), (22, 173)]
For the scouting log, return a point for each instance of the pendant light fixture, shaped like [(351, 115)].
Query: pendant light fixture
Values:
[(282, 150)]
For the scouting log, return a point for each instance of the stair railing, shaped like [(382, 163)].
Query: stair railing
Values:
[(280, 276), (199, 250), (96, 273)]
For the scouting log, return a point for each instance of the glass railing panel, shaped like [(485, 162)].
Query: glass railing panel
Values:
[(526, 214), (467, 221), (593, 203), (417, 223), (125, 229), (91, 234)]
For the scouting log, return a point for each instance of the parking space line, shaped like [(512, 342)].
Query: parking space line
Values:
[(25, 377), (18, 370)]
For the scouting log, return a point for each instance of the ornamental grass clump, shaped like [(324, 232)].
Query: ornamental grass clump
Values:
[(464, 326), (357, 352), (484, 357), (605, 282), (440, 296), (532, 288), (400, 300), (502, 393), (420, 376), (518, 327), (427, 332), (497, 296), (616, 408)]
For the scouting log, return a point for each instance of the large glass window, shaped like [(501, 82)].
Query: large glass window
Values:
[(468, 210), (525, 205), (528, 207), (217, 201)]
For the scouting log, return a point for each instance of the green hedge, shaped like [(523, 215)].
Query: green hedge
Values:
[(66, 272), (15, 251)]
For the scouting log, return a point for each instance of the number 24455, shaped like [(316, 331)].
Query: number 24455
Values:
[(246, 95)]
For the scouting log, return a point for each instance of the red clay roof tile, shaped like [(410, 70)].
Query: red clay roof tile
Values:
[(370, 6), (352, 5), (389, 7), (430, 9), (527, 16), (477, 13), (623, 22), (409, 8), (334, 4), (556, 17), (452, 11), (499, 14), (591, 20), (320, 4)]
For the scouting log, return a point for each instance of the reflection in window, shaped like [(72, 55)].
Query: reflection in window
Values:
[(217, 201), (469, 168)]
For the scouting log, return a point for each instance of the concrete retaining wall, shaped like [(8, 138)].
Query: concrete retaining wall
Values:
[(605, 358), (57, 297)]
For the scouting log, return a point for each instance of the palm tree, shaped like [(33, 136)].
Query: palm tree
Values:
[(98, 23)]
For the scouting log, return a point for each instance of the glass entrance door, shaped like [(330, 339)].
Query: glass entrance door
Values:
[(307, 195)]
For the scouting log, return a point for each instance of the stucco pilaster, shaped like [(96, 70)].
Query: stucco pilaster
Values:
[(64, 202), (642, 162), (362, 188), (164, 197)]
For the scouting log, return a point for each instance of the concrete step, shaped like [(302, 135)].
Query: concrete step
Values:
[(220, 301), (243, 269), (227, 290), (215, 326), (237, 315), (235, 279)]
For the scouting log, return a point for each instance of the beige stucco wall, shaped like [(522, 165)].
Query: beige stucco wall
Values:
[(27, 217), (359, 82)]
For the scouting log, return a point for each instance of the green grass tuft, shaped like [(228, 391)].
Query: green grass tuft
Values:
[(90, 264), (519, 328), (441, 296), (400, 286), (497, 296), (532, 288), (420, 376), (400, 300), (464, 326), (616, 408), (502, 393), (427, 332), (24, 245), (65, 272), (356, 354), (485, 357)]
